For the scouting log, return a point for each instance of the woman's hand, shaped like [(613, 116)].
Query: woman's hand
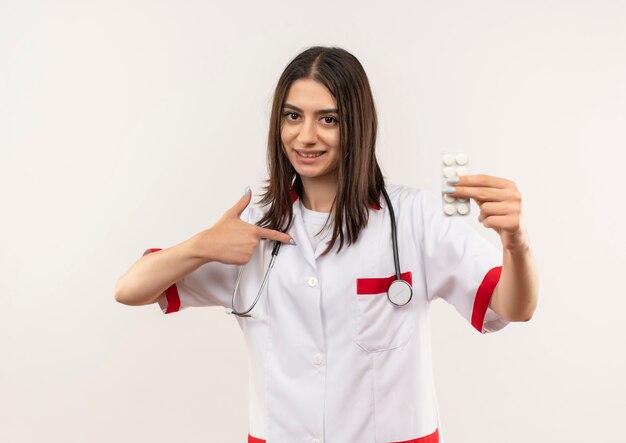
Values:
[(233, 241), (500, 204)]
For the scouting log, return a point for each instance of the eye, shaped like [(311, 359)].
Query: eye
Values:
[(287, 114), (332, 120)]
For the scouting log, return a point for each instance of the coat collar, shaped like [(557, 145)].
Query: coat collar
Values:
[(298, 232)]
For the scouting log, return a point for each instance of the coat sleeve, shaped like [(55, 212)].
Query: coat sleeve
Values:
[(211, 284), (460, 265)]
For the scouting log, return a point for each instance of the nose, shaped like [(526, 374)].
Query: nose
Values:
[(308, 133)]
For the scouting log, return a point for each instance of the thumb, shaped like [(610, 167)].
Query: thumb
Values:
[(243, 202)]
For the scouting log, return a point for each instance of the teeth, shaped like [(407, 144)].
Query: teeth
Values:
[(310, 155)]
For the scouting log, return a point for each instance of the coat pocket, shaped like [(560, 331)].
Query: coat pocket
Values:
[(381, 325)]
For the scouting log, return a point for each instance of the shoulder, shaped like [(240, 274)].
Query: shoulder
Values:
[(418, 199), (418, 208)]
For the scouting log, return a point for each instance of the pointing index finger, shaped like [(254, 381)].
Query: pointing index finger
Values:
[(272, 234)]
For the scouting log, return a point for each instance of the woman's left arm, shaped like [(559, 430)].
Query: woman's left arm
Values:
[(500, 202)]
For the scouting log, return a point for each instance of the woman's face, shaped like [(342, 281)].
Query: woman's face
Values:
[(310, 125)]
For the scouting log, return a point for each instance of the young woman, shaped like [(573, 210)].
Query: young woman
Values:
[(339, 337)]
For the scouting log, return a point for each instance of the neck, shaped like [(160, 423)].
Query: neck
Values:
[(319, 193)]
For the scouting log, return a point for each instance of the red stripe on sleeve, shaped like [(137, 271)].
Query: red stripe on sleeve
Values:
[(368, 286), (173, 299), (171, 293), (252, 439), (431, 438), (483, 297)]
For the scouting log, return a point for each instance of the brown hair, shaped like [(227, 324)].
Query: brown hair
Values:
[(360, 180)]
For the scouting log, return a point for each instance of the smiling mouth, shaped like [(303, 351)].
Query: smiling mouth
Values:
[(318, 154)]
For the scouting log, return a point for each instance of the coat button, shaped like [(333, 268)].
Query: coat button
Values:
[(316, 440), (318, 359), (312, 282)]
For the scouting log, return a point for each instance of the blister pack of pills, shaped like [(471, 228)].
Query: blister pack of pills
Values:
[(454, 164)]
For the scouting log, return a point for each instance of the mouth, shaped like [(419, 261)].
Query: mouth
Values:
[(312, 154)]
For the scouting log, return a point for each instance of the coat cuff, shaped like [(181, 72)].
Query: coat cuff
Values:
[(483, 297), (172, 299)]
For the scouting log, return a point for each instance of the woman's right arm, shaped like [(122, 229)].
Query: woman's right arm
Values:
[(149, 277), (230, 241)]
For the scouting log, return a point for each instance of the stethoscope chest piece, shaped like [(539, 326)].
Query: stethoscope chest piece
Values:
[(399, 292)]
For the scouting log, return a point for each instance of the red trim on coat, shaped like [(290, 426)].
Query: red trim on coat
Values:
[(171, 293), (294, 196), (483, 297), (173, 299), (149, 250), (368, 286), (432, 438)]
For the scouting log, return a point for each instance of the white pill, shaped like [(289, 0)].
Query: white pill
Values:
[(449, 172), (463, 200), (449, 209), (461, 159), (448, 159), (462, 208), (448, 199), (461, 170)]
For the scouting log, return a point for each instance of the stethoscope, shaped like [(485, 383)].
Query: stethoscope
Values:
[(399, 292)]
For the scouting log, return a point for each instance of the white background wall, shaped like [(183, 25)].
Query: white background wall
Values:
[(133, 124)]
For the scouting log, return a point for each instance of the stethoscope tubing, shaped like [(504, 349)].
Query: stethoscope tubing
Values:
[(394, 236), (258, 295)]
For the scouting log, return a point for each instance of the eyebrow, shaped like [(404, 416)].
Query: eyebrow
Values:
[(321, 111)]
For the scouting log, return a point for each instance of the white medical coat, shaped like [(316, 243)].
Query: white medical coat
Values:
[(331, 359)]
